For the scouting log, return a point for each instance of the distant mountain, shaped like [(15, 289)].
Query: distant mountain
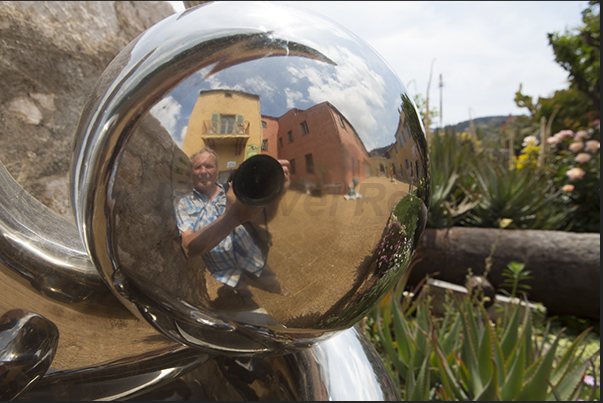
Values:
[(379, 152), (488, 121), (485, 127)]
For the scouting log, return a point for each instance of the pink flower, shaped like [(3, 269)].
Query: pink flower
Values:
[(567, 188), (581, 134), (577, 146), (582, 158), (565, 133), (575, 173), (553, 140), (590, 380), (592, 146)]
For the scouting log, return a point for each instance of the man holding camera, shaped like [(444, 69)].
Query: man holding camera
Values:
[(210, 221)]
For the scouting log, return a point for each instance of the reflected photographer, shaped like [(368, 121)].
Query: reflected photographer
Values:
[(216, 225)]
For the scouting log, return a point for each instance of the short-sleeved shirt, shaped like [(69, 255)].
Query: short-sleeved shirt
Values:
[(235, 253)]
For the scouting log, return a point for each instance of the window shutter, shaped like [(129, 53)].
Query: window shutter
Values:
[(215, 122), (239, 124)]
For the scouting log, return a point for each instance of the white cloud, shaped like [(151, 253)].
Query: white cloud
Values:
[(484, 50), (258, 85), (167, 111), (356, 90), (293, 97), (180, 140)]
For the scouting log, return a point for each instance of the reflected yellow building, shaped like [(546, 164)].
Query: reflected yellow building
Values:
[(401, 152), (228, 122)]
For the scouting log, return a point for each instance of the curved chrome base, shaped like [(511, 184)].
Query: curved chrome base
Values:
[(345, 367)]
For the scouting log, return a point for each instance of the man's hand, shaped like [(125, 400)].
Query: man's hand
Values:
[(239, 211), (285, 165)]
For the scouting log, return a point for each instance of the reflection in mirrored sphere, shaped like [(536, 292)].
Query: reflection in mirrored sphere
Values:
[(326, 220), (28, 343)]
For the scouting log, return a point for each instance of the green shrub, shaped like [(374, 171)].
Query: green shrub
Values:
[(465, 356), (514, 275)]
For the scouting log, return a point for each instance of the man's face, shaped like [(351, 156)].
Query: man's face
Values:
[(205, 172)]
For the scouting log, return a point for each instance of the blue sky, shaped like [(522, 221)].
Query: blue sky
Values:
[(484, 50)]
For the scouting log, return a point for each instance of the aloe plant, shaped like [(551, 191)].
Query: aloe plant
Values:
[(525, 197), (453, 190), (465, 356)]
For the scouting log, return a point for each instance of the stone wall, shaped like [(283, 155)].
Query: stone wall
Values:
[(51, 54)]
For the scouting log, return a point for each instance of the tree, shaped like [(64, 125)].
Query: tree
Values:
[(574, 109), (421, 106), (579, 53)]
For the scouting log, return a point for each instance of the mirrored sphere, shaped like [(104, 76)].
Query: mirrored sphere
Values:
[(250, 178)]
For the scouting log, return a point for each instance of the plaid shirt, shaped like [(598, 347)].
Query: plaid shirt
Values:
[(235, 253)]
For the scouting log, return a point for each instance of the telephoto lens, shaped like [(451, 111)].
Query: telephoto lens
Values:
[(258, 181)]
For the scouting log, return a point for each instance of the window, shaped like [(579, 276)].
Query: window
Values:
[(227, 124), (265, 145), (292, 166), (403, 136), (396, 148), (406, 163), (264, 125), (400, 140), (304, 128), (290, 135), (341, 122), (280, 142), (309, 164)]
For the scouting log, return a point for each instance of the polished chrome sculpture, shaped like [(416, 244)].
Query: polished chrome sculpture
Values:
[(28, 344), (249, 183), (273, 80)]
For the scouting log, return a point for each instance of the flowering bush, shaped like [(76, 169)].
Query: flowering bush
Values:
[(573, 163), (529, 156)]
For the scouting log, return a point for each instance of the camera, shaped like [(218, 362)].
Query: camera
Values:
[(258, 181)]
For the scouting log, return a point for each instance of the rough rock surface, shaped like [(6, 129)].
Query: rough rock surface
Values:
[(51, 54), (146, 235)]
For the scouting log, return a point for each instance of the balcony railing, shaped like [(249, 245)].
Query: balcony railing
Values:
[(241, 129)]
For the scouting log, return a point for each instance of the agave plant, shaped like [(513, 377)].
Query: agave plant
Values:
[(524, 196), (465, 356), (453, 190)]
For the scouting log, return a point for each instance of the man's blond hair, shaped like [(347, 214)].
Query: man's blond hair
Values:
[(206, 150)]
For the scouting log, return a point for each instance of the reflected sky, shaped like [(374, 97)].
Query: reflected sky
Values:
[(361, 86), (345, 364)]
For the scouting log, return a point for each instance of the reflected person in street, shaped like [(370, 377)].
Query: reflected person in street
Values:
[(211, 223)]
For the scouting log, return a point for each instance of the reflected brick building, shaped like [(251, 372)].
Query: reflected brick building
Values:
[(322, 146)]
